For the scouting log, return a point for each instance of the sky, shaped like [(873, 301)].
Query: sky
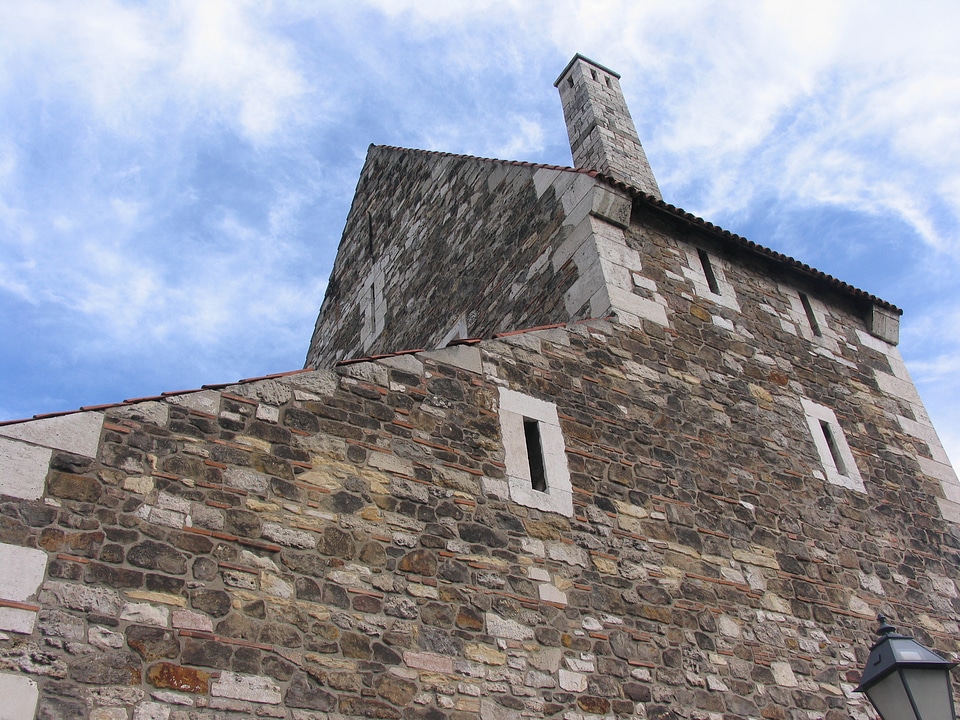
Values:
[(175, 176)]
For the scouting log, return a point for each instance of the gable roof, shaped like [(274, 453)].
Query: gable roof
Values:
[(726, 238)]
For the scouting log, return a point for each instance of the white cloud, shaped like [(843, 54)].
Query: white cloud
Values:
[(203, 61)]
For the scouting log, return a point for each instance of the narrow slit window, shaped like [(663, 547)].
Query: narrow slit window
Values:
[(832, 446), (708, 272), (534, 455), (594, 74), (370, 248), (811, 318), (531, 434), (837, 460)]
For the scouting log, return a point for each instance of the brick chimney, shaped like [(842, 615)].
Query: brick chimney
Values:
[(602, 134)]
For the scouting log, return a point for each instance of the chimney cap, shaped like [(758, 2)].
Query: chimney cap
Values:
[(587, 60)]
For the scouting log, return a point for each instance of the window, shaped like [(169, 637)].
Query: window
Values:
[(837, 460), (705, 272), (534, 453), (811, 317), (708, 272), (373, 308), (531, 435)]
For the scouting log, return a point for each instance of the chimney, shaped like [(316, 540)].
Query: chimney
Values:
[(602, 134)]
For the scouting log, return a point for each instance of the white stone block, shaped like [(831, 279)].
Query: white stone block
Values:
[(205, 401), (550, 593), (23, 469), (624, 300), (268, 413), (247, 687), (106, 639), (538, 573), (80, 597), (572, 681), (189, 620), (23, 570), (17, 620), (783, 674), (151, 711), (464, 357), (543, 178), (140, 484), (151, 411), (77, 433), (145, 614), (391, 463), (943, 472), (19, 695), (108, 713), (288, 536), (570, 554), (506, 628), (247, 479)]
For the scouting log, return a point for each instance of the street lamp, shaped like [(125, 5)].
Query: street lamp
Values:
[(906, 681)]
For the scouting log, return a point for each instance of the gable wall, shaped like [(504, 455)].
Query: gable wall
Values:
[(454, 240)]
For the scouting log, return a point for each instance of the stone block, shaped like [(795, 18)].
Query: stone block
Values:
[(288, 536), (252, 688), (145, 614), (884, 324), (23, 469), (80, 597), (77, 433), (20, 695), (151, 711), (24, 571), (204, 401)]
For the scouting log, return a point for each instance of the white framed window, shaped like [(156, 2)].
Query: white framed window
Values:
[(839, 465), (373, 308), (534, 453), (705, 271)]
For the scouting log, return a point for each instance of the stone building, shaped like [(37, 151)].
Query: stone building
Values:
[(598, 458)]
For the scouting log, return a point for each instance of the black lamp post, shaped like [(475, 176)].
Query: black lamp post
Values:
[(906, 681)]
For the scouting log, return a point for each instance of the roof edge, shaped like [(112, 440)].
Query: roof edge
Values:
[(597, 65), (742, 243)]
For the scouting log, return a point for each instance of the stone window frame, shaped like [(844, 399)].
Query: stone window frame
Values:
[(832, 447), (515, 408), (797, 315), (373, 308), (694, 272)]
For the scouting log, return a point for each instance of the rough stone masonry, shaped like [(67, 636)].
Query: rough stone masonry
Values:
[(687, 495)]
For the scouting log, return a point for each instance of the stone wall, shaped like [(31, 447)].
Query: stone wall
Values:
[(344, 543), (490, 226)]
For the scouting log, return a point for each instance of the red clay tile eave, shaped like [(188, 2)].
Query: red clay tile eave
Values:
[(155, 398)]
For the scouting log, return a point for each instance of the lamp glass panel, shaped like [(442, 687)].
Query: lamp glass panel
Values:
[(931, 692), (889, 697)]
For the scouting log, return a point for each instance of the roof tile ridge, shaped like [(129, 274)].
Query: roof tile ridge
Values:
[(462, 156)]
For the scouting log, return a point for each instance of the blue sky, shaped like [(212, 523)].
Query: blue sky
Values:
[(174, 176)]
